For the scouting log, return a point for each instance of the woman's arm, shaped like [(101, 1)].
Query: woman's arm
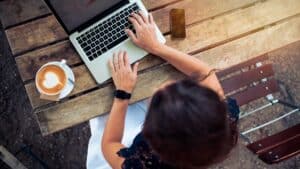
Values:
[(189, 65), (124, 78), (113, 133), (145, 38)]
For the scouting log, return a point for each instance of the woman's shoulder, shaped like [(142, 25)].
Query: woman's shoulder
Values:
[(140, 156)]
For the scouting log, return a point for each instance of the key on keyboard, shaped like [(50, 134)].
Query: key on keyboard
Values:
[(107, 34)]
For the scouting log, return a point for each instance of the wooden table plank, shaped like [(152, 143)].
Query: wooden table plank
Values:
[(13, 12), (234, 25), (34, 34), (10, 159), (29, 63), (196, 10), (75, 111), (163, 24), (155, 4), (83, 81)]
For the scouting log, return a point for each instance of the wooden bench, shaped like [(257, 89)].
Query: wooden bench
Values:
[(252, 80)]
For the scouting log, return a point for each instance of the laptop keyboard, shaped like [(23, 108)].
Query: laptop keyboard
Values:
[(107, 34)]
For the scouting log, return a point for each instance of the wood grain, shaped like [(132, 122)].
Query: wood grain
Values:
[(234, 25), (34, 34), (29, 63), (87, 106), (47, 30), (13, 12), (196, 10), (10, 159), (154, 4), (83, 80)]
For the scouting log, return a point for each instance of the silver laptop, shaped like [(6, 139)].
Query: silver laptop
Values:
[(96, 30)]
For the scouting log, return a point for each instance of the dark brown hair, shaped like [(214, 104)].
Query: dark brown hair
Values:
[(187, 125)]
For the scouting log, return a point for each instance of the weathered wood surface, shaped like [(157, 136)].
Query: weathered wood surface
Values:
[(196, 11), (75, 111), (10, 159), (34, 34), (150, 61), (233, 25), (154, 4), (29, 63), (13, 12)]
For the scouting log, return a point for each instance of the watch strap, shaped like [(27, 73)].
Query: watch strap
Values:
[(121, 94)]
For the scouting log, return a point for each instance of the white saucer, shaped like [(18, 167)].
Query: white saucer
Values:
[(70, 83)]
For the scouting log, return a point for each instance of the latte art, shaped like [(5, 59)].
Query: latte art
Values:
[(51, 79)]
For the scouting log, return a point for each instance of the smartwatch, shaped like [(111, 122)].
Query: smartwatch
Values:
[(121, 94)]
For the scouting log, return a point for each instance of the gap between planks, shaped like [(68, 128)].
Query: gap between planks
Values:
[(73, 112), (85, 77), (26, 77), (161, 16)]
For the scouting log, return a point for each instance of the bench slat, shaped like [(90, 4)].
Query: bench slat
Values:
[(246, 78), (253, 93), (270, 142), (284, 151), (239, 66)]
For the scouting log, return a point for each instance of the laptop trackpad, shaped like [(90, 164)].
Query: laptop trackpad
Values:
[(101, 63)]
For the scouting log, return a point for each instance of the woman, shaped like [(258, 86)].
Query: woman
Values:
[(186, 125)]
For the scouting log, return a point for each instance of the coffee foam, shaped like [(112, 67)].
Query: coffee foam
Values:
[(51, 80)]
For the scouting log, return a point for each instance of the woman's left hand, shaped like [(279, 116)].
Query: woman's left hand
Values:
[(123, 75)]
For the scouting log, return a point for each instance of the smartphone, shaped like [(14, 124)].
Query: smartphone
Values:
[(177, 23)]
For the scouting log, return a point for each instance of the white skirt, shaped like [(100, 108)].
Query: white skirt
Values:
[(135, 117)]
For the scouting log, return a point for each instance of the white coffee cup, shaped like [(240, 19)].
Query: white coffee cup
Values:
[(52, 78)]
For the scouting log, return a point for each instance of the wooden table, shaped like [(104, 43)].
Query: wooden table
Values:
[(219, 32)]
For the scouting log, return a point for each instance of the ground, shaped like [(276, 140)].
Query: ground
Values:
[(68, 148)]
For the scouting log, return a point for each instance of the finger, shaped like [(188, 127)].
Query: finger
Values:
[(143, 16), (121, 59), (126, 60), (115, 62), (111, 65), (135, 68), (138, 18), (131, 35), (151, 20), (135, 23)]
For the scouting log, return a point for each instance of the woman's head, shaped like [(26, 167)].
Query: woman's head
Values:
[(187, 125)]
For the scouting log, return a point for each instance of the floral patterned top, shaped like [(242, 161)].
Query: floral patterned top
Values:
[(140, 156)]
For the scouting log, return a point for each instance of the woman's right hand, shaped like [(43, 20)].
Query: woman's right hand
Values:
[(145, 36)]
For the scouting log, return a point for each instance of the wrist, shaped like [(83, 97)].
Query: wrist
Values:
[(121, 101), (125, 90), (157, 49)]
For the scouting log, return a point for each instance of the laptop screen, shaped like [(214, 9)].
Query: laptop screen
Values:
[(74, 13)]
